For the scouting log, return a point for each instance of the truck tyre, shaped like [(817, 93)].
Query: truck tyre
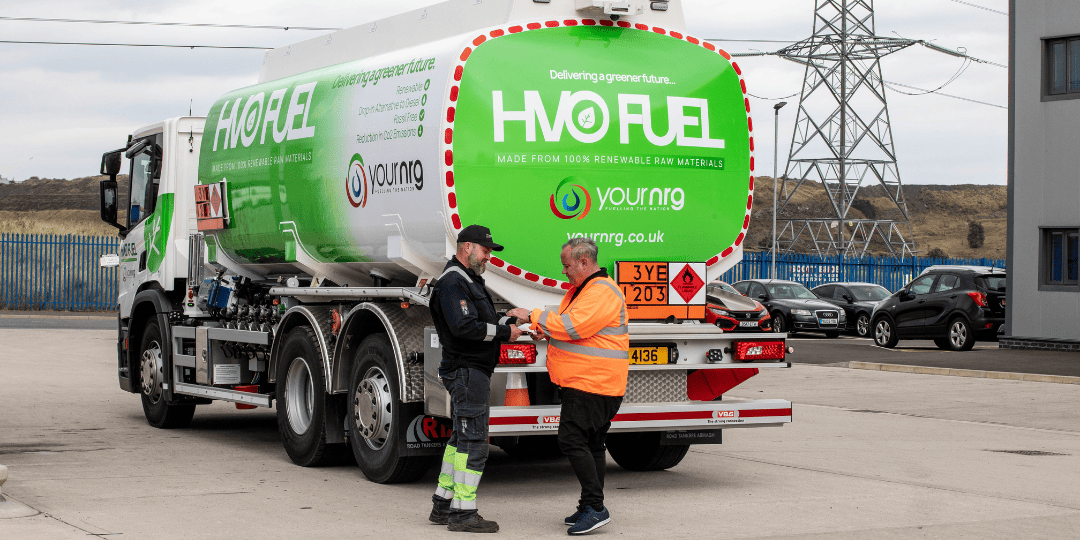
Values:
[(151, 357), (301, 400), (377, 418), (885, 333), (643, 451)]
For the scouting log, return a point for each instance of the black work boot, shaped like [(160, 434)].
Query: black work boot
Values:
[(474, 523), (440, 510)]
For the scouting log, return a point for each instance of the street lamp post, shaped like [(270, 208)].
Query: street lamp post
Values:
[(776, 144)]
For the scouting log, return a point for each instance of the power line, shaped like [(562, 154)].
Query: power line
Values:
[(754, 40), (924, 91), (158, 23), (136, 45), (771, 98), (981, 7)]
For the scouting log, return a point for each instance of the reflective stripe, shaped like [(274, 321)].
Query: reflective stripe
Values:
[(588, 351), (611, 286), (455, 269), (569, 325), (614, 331), (543, 317), (471, 478), (622, 314), (443, 492), (491, 329), (458, 504)]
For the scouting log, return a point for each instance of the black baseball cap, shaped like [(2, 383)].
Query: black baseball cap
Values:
[(478, 234)]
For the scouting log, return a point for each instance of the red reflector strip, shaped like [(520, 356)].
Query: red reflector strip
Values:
[(655, 416), (759, 350), (517, 353)]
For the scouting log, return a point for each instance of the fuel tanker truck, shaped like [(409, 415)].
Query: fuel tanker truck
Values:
[(280, 252)]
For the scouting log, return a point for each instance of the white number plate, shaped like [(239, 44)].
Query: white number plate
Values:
[(827, 321), (750, 324)]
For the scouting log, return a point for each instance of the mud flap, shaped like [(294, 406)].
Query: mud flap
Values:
[(426, 436)]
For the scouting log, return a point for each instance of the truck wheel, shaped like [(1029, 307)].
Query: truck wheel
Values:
[(301, 400), (643, 451), (151, 354), (377, 418)]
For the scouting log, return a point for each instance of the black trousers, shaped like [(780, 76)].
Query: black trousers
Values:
[(583, 426)]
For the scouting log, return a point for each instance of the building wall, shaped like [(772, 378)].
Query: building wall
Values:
[(1044, 172)]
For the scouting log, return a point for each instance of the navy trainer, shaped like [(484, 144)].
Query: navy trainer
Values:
[(590, 521), (572, 519)]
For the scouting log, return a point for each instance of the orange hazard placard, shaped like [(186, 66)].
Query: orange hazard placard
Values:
[(658, 290), (210, 206)]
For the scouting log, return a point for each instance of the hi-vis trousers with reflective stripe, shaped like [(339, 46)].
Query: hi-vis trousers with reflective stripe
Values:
[(467, 450)]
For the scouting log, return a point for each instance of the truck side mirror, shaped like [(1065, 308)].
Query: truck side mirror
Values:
[(110, 165)]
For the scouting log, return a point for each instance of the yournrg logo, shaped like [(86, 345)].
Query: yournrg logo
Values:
[(570, 199), (356, 183)]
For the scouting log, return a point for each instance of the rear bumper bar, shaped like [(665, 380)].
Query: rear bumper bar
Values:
[(538, 419)]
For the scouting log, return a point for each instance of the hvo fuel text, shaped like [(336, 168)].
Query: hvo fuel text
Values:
[(634, 110)]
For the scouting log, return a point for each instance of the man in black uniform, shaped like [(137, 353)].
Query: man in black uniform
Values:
[(469, 331)]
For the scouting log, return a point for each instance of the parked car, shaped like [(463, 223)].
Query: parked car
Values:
[(793, 307), (953, 305), (733, 312), (858, 301)]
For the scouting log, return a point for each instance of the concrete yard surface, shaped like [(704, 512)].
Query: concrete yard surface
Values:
[(869, 455)]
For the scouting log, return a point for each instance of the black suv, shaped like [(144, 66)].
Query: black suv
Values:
[(793, 307), (953, 305)]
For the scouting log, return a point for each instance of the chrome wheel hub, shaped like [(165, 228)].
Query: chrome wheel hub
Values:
[(151, 373), (373, 408), (863, 325), (958, 334), (299, 395), (882, 332)]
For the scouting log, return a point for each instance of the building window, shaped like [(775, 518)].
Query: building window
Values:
[(1061, 256), (1061, 68)]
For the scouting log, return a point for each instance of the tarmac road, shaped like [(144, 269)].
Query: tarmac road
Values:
[(869, 454)]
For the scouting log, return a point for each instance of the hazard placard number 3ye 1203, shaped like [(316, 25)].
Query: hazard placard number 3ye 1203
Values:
[(658, 290)]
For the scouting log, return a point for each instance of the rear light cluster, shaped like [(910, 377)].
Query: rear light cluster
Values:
[(759, 350), (979, 298), (517, 353)]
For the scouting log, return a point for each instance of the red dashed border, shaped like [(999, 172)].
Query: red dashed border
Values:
[(448, 132)]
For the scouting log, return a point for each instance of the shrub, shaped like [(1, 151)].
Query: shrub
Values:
[(937, 253), (976, 234)]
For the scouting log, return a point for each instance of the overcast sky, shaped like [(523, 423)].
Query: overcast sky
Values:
[(63, 106)]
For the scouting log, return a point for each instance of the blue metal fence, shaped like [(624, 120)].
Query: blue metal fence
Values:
[(56, 272), (62, 273), (812, 270)]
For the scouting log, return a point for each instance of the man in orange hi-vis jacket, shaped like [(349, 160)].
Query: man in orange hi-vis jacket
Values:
[(588, 358)]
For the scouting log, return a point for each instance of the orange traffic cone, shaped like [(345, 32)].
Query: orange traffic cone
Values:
[(517, 392)]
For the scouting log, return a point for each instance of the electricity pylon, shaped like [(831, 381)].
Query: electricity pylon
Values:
[(842, 135)]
